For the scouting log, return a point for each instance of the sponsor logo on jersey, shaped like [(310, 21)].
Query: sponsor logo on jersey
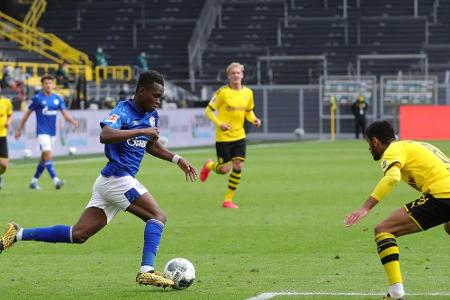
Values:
[(134, 142), (48, 112), (112, 118)]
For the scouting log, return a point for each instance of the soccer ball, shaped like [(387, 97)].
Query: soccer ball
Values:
[(27, 153), (72, 151), (181, 271)]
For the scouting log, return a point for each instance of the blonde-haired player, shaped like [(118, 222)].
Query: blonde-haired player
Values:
[(233, 104), (5, 122)]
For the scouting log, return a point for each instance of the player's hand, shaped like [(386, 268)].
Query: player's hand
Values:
[(355, 216), (151, 132), (75, 123), (225, 127), (188, 169), (257, 122), (18, 134)]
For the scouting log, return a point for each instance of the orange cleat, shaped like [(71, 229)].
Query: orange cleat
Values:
[(229, 204), (205, 171)]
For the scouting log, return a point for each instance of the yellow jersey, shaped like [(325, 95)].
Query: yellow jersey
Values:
[(423, 166), (233, 107), (5, 113)]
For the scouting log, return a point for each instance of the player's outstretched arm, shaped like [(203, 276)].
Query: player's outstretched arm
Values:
[(68, 117), (361, 212), (22, 124), (158, 150), (110, 135)]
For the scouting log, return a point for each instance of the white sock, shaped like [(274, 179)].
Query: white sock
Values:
[(147, 269), (34, 180), (396, 290), (56, 180), (19, 234)]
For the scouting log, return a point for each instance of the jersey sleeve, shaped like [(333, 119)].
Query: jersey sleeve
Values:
[(9, 108), (34, 103), (394, 154), (62, 104), (115, 118), (216, 100), (250, 104)]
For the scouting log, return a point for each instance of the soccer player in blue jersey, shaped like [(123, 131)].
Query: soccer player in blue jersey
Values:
[(128, 132), (46, 104)]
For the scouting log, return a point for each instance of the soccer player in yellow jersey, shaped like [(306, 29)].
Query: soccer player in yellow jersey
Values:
[(5, 121), (423, 167), (234, 104)]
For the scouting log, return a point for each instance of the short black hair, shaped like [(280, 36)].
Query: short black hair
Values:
[(47, 77), (148, 78), (381, 130)]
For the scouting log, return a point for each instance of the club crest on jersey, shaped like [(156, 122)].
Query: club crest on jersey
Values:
[(134, 142), (384, 164), (56, 101), (152, 121), (112, 118)]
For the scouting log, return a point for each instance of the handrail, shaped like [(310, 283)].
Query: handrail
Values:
[(35, 13), (39, 69), (113, 72), (45, 44)]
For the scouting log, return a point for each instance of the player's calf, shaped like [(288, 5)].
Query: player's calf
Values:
[(447, 227)]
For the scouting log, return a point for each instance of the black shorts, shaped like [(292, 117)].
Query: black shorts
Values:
[(428, 211), (3, 147), (227, 151)]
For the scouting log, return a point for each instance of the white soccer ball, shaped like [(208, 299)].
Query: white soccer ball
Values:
[(181, 271), (72, 151), (27, 153), (163, 139)]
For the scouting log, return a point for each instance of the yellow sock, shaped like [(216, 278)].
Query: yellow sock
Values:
[(212, 166), (389, 254), (233, 182)]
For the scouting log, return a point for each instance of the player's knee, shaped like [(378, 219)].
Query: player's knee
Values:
[(224, 169), (237, 165), (3, 167)]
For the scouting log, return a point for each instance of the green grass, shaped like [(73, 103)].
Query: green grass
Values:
[(288, 234)]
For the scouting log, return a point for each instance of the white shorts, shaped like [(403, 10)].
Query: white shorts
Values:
[(46, 142), (113, 194)]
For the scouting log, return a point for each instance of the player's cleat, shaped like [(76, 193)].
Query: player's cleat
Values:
[(9, 237), (387, 297), (153, 278), (229, 204), (205, 171), (59, 184), (34, 186)]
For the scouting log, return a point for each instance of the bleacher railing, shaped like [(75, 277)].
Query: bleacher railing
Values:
[(45, 44), (39, 69), (34, 14), (124, 73)]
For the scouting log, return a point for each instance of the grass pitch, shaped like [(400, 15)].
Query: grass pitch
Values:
[(288, 234)]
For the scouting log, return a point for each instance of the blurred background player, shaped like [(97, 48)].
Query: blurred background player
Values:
[(413, 162), (128, 132), (5, 122), (46, 104), (234, 104), (359, 109)]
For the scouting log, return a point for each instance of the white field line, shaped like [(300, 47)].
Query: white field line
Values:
[(270, 295), (181, 151)]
